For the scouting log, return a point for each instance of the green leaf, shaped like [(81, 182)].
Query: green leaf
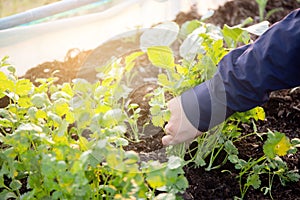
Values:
[(191, 46), (161, 35), (276, 144), (156, 179), (233, 35), (155, 110), (24, 102), (295, 142), (233, 158), (258, 29), (6, 84), (5, 195), (254, 181), (230, 148), (66, 87), (188, 27), (62, 128), (5, 123), (182, 183), (131, 157), (15, 185), (113, 117), (61, 107), (129, 60), (40, 100), (23, 87), (30, 127), (2, 181), (60, 95), (161, 56), (158, 120), (174, 162)]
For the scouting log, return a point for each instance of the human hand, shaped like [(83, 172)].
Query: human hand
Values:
[(179, 129)]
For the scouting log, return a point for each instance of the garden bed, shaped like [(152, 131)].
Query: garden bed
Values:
[(282, 110)]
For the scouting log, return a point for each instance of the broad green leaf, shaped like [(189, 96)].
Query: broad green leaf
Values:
[(276, 144), (66, 87), (258, 29), (161, 56), (113, 117), (11, 69), (161, 35), (24, 102), (61, 107), (62, 129), (233, 35), (70, 117), (119, 141), (40, 100), (55, 118), (174, 162), (131, 157), (156, 179), (60, 95), (41, 114), (5, 123), (5, 195), (1, 181), (230, 148), (260, 113), (30, 127), (15, 184), (129, 60), (164, 81), (188, 27), (6, 84), (182, 183), (191, 46), (23, 87), (158, 121), (155, 110)]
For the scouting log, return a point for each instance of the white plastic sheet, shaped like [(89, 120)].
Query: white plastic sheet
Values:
[(28, 46)]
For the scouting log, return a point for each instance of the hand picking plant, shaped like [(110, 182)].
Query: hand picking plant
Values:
[(201, 48)]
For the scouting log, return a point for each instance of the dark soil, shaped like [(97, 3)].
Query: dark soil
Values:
[(282, 110)]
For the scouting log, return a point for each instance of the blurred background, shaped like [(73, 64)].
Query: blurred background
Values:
[(35, 31)]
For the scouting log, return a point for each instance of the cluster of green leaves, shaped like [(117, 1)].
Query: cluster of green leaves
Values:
[(201, 47), (65, 142), (276, 145)]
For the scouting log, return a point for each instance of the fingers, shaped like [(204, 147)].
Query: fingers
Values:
[(167, 140)]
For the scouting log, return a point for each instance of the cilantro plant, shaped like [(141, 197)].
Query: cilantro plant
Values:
[(201, 47), (271, 163), (66, 141)]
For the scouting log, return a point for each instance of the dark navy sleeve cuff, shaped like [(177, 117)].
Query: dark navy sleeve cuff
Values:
[(205, 105)]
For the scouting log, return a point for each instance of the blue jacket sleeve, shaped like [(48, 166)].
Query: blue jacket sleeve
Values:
[(246, 75)]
